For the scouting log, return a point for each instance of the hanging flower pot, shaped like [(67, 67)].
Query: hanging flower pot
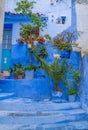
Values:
[(65, 53)]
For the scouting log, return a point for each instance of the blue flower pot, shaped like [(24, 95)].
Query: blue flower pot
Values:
[(65, 54)]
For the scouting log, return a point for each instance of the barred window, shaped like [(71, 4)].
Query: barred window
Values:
[(7, 36)]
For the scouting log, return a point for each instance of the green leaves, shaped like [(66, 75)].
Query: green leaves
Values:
[(63, 41), (71, 91), (76, 76), (17, 69), (31, 67), (24, 7), (55, 71)]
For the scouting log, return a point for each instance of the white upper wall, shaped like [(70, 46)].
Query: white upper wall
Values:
[(60, 8), (2, 9), (82, 24)]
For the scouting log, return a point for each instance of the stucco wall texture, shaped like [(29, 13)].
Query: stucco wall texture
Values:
[(2, 8), (82, 23)]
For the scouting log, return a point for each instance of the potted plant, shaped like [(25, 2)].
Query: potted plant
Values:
[(19, 73), (30, 71), (63, 42), (71, 94), (64, 48), (56, 73), (40, 39), (29, 31), (17, 70)]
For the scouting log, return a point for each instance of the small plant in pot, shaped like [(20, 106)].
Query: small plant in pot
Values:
[(71, 94), (17, 71), (30, 71), (63, 42), (19, 74)]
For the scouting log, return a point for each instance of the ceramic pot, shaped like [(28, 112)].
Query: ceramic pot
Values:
[(56, 94), (72, 98), (29, 74), (65, 54)]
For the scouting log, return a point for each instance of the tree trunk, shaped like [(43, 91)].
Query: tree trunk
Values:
[(56, 88)]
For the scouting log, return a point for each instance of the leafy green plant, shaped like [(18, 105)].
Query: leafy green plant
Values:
[(56, 72), (71, 91), (17, 69), (31, 67), (25, 7), (62, 45), (29, 32), (41, 53), (76, 76), (63, 41), (47, 36)]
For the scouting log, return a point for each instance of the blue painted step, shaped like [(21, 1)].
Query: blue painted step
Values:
[(25, 114), (41, 118), (78, 125), (6, 95)]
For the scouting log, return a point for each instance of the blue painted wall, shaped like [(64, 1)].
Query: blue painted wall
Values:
[(38, 88), (84, 83)]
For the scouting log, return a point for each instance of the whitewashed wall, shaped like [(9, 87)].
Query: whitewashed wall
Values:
[(82, 23), (2, 9), (61, 8)]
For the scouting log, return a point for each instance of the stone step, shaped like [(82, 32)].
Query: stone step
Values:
[(4, 96), (75, 125), (41, 113), (22, 105), (38, 118)]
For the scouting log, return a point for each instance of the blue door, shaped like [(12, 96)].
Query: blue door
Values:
[(6, 59), (6, 47)]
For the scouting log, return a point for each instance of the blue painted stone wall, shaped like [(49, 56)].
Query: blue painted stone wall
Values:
[(38, 88), (19, 54), (84, 83), (35, 89)]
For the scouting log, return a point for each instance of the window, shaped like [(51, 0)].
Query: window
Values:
[(7, 36)]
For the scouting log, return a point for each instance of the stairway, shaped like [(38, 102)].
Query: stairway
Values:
[(24, 114)]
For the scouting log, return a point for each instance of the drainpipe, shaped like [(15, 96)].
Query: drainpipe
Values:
[(2, 9)]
